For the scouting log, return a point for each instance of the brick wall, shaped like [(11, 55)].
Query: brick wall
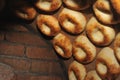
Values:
[(30, 55)]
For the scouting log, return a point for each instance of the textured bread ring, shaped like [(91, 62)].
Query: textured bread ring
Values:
[(23, 9), (72, 21), (76, 71), (48, 5), (106, 63), (48, 25), (92, 75), (102, 8), (83, 50), (117, 46), (26, 12), (77, 4), (116, 5), (99, 34), (62, 45)]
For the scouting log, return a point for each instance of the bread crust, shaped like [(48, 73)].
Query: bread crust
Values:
[(117, 46), (48, 5), (116, 5), (62, 45), (99, 34), (92, 75), (103, 8), (106, 63), (77, 4), (76, 71), (48, 25), (23, 10), (83, 50), (26, 13), (72, 21)]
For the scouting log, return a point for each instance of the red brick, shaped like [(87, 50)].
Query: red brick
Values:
[(6, 72), (45, 78), (47, 67), (14, 27), (22, 76), (25, 38), (1, 36), (9, 49), (17, 64), (20, 27), (33, 27), (37, 77), (40, 53), (53, 54)]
